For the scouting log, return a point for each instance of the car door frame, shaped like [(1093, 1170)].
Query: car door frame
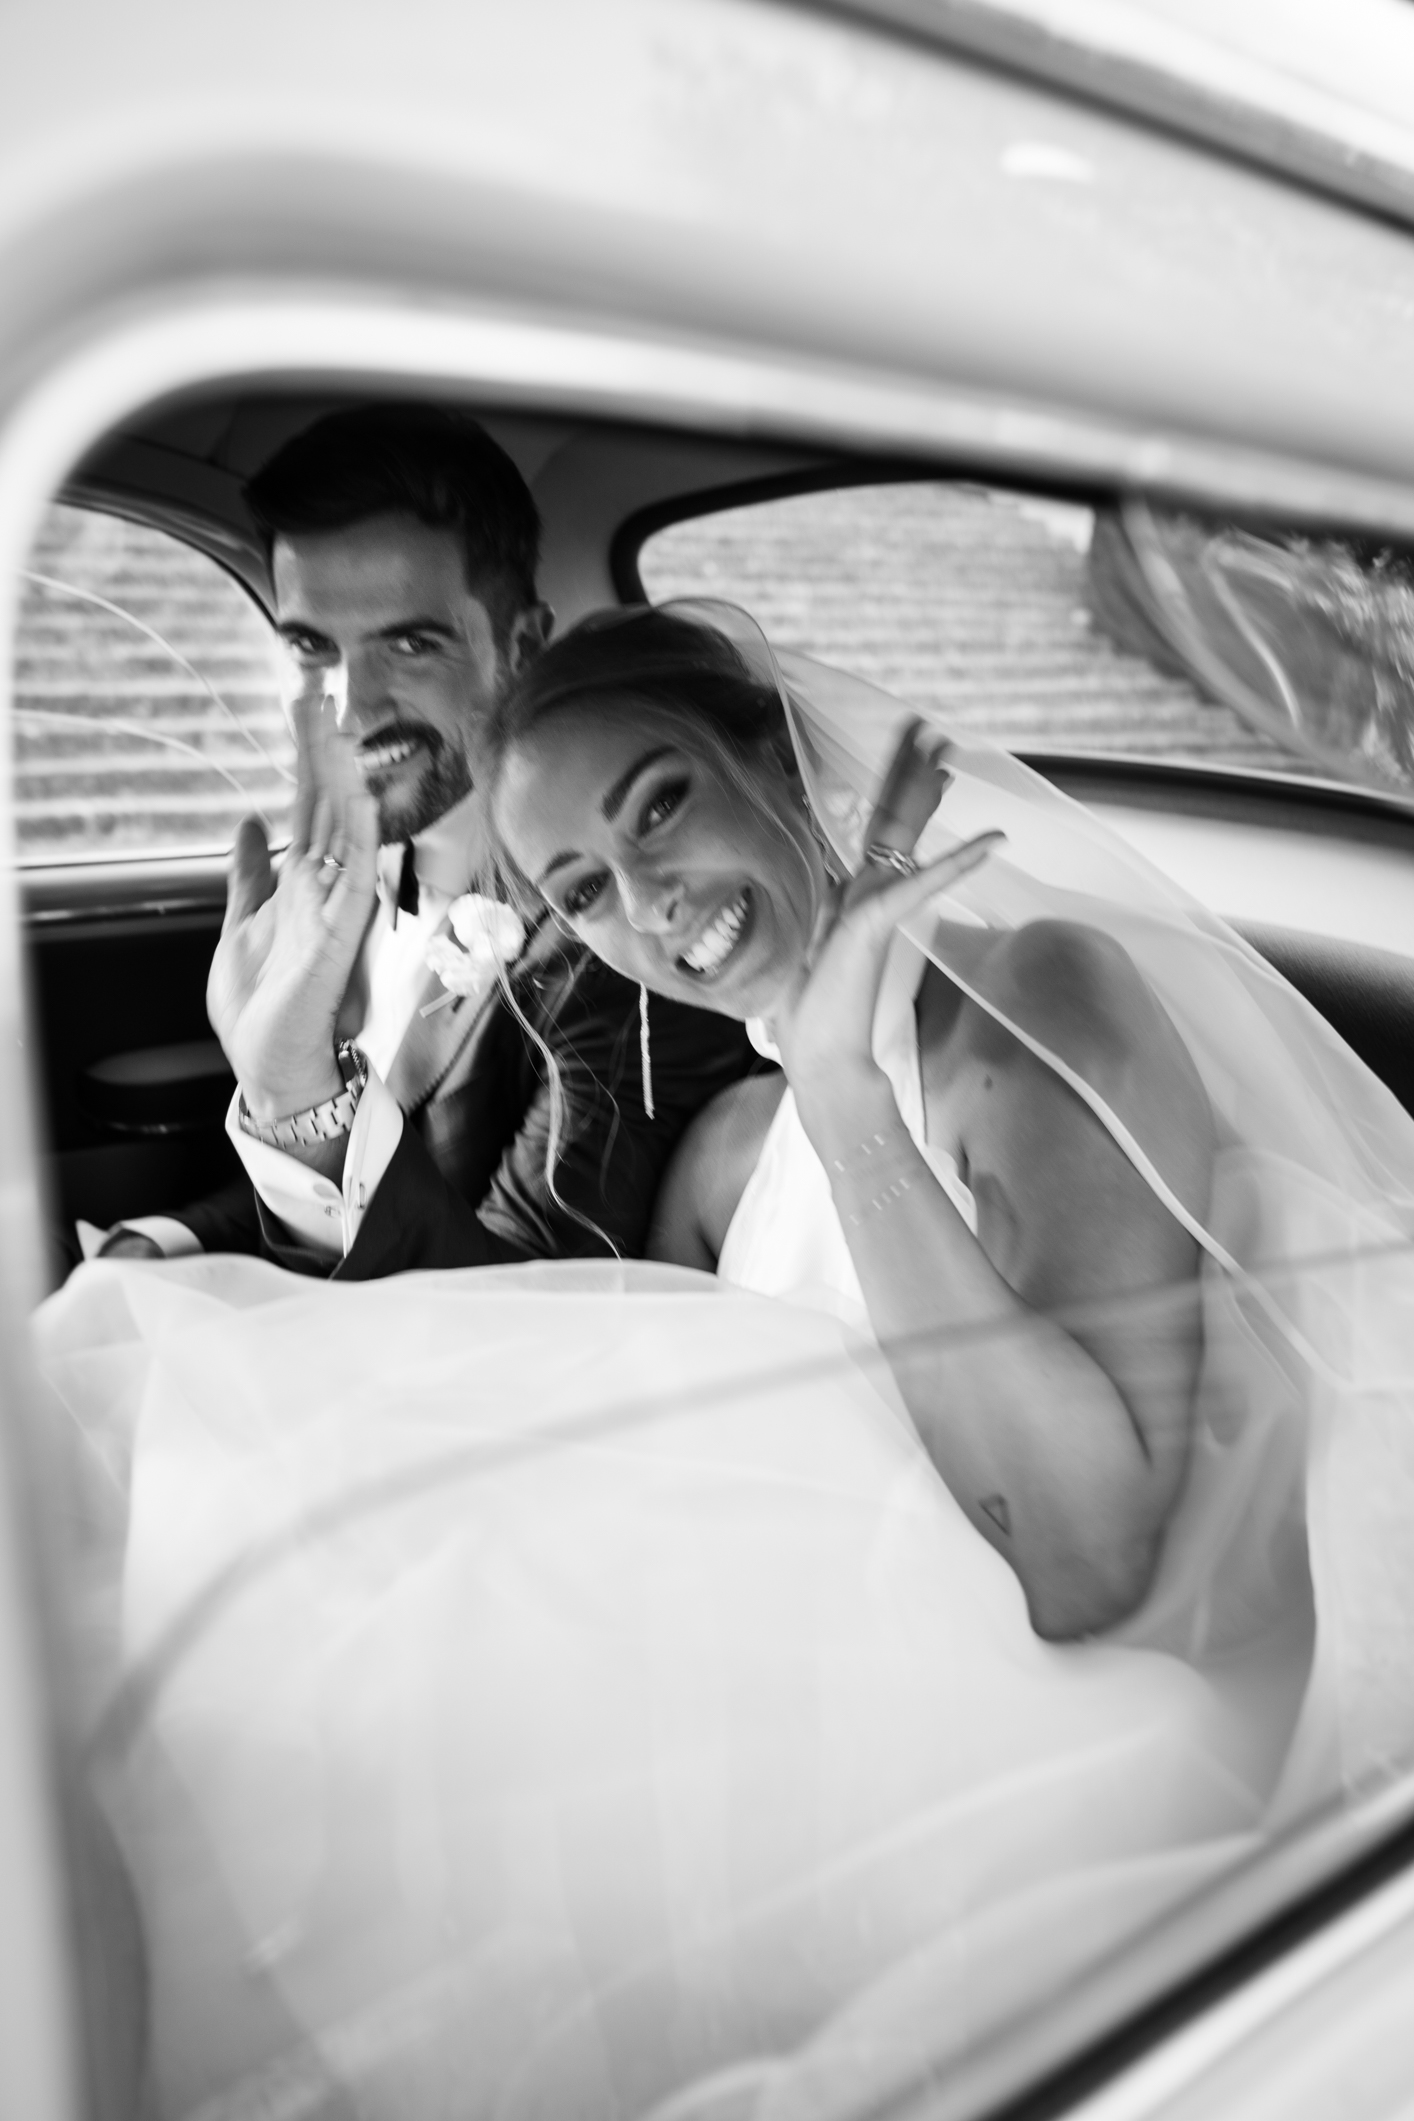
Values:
[(107, 362)]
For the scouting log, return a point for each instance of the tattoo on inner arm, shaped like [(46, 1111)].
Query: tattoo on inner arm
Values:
[(995, 1508)]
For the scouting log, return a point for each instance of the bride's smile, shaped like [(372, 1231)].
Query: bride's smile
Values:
[(704, 886)]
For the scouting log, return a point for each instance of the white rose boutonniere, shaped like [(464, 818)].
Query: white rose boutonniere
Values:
[(487, 936)]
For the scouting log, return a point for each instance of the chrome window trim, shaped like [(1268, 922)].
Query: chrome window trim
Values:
[(57, 894)]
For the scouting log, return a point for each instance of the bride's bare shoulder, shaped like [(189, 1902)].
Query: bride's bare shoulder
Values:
[(1083, 996), (709, 1170), (1077, 988)]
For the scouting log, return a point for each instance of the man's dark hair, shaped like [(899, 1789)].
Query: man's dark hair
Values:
[(419, 460)]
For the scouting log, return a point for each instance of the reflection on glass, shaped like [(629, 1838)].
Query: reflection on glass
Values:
[(1311, 640)]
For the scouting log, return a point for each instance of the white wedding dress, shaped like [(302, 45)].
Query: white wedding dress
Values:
[(556, 1687), (571, 1690), (476, 1757)]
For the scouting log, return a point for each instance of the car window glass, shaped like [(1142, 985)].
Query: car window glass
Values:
[(1031, 622), (572, 1683), (1311, 639), (147, 697)]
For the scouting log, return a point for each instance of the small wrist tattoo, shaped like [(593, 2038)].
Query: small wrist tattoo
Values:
[(868, 1150), (994, 1506), (882, 1166), (894, 1190)]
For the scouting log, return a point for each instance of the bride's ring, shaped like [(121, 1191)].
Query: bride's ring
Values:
[(332, 862), (890, 858)]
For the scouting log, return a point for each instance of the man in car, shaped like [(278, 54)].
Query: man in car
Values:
[(403, 549)]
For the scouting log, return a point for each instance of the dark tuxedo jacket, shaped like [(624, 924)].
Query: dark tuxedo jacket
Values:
[(467, 1184)]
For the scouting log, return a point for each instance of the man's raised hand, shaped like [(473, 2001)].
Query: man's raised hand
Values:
[(289, 942)]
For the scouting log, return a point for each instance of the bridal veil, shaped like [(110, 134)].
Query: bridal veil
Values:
[(1305, 1452)]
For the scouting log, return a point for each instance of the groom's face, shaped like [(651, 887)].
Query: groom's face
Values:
[(383, 608)]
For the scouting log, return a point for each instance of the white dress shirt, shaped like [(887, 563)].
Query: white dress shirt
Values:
[(321, 1211)]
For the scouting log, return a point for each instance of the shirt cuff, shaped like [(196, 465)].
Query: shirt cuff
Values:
[(376, 1132), (325, 1215), (172, 1239)]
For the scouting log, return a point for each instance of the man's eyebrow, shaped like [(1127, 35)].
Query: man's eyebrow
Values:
[(287, 627), (402, 626), (612, 804)]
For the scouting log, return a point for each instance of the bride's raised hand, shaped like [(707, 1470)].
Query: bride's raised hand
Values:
[(289, 944), (824, 1033)]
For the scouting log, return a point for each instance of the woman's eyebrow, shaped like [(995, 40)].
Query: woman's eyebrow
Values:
[(611, 805), (613, 801), (550, 868)]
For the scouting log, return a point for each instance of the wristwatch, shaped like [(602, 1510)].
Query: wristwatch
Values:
[(319, 1123)]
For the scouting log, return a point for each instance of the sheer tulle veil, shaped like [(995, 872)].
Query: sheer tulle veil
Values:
[(1307, 1408)]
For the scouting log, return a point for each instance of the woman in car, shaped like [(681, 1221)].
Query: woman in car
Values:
[(918, 1166), (1130, 1221)]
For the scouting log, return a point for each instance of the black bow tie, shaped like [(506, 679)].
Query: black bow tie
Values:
[(408, 893)]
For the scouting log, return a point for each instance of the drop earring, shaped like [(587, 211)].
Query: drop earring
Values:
[(645, 1057), (817, 833)]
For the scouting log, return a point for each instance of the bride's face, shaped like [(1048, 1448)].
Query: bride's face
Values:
[(652, 854)]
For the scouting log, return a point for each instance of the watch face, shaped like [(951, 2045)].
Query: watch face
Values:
[(352, 1062)]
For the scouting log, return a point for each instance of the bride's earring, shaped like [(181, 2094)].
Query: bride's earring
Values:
[(645, 1057), (817, 833)]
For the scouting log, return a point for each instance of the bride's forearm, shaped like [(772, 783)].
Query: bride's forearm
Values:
[(1032, 1437)]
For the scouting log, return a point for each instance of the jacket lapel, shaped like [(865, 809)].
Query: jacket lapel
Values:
[(432, 1042), (439, 1050)]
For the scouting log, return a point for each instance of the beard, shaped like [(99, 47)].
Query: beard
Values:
[(408, 804)]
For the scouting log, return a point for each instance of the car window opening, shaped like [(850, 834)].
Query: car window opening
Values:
[(663, 1503)]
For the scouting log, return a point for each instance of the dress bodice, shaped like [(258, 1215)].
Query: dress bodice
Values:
[(786, 1238)]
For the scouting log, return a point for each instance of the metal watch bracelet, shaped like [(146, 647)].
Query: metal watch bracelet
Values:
[(319, 1123)]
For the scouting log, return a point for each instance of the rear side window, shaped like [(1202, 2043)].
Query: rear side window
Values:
[(147, 698), (1049, 627)]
